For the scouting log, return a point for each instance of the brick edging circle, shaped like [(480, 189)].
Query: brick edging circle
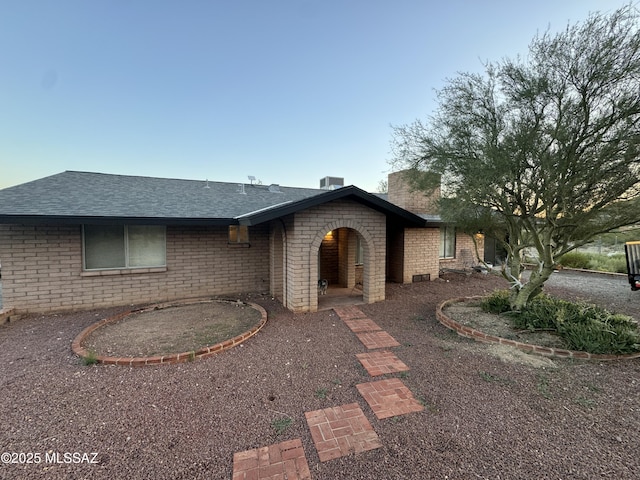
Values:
[(207, 351), (479, 336)]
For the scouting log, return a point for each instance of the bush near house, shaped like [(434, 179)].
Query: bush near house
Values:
[(581, 326)]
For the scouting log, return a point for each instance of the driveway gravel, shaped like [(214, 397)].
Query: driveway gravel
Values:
[(484, 418)]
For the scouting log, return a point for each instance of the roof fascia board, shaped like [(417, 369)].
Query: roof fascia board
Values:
[(262, 210), (79, 220), (368, 199)]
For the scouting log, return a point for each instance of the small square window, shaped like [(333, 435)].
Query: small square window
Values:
[(238, 234)]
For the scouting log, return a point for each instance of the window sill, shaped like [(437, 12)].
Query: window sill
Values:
[(122, 271), (238, 245), (444, 259)]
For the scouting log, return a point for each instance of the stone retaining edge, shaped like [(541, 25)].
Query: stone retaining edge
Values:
[(479, 336), (204, 352)]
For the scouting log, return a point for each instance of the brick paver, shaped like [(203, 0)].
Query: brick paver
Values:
[(362, 325), (388, 398), (342, 430), (349, 312), (284, 460), (379, 339), (381, 362)]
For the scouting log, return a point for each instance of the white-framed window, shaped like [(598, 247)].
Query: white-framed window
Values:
[(124, 246), (238, 234), (447, 242), (359, 250)]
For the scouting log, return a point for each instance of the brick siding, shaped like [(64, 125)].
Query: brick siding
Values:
[(417, 251), (421, 253), (42, 269)]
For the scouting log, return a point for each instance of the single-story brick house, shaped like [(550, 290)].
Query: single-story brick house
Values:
[(79, 240)]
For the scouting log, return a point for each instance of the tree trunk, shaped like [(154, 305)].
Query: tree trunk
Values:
[(512, 272), (519, 298)]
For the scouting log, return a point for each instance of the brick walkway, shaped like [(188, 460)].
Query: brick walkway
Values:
[(380, 339), (381, 362), (342, 430), (349, 312), (281, 461), (359, 325), (339, 431), (388, 398)]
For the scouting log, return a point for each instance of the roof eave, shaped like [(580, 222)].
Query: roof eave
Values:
[(363, 197), (111, 220)]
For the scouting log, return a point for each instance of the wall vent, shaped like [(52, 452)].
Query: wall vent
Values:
[(425, 277)]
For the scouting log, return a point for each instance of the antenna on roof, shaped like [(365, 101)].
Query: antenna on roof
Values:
[(251, 179)]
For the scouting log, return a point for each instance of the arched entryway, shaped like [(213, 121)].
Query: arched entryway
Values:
[(347, 255), (341, 264), (358, 261)]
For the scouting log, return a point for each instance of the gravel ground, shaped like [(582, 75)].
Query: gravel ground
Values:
[(484, 417)]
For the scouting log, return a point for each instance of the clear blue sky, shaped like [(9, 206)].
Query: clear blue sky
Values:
[(286, 90)]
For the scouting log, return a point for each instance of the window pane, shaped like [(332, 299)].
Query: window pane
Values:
[(104, 246), (447, 242), (233, 234), (243, 234), (451, 242), (147, 246), (238, 234)]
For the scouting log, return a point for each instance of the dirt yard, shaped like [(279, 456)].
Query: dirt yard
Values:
[(175, 329), (487, 416)]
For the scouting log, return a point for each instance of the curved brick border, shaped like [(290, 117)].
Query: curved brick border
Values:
[(203, 352), (5, 315), (479, 336)]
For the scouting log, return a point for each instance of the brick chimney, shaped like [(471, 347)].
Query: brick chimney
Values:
[(401, 194)]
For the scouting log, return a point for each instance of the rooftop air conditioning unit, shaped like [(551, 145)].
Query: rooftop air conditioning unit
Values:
[(331, 183)]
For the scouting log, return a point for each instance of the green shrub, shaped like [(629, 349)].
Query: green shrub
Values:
[(595, 261), (604, 263), (497, 302), (582, 326), (538, 315), (91, 358), (281, 424), (593, 329), (575, 260)]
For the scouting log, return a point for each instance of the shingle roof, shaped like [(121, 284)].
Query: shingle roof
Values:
[(82, 197)]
